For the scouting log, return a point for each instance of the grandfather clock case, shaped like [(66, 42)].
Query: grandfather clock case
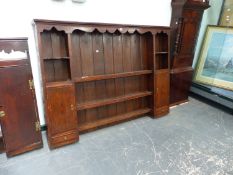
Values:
[(185, 24)]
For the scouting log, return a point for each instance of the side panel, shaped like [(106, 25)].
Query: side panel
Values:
[(20, 125)]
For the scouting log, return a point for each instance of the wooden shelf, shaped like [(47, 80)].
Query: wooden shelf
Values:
[(161, 53), (109, 101), (57, 84), (56, 58), (114, 119), (158, 71), (112, 76)]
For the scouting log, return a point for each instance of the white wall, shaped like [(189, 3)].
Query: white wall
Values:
[(16, 20)]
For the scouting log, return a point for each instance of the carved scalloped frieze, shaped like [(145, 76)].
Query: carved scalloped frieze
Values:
[(13, 55), (101, 29)]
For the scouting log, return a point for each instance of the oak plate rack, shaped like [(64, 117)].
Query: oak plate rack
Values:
[(97, 74)]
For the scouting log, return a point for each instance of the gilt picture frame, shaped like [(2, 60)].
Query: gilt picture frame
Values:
[(215, 64), (226, 16)]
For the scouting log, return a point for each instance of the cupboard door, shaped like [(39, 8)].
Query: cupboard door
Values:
[(19, 120), (61, 115), (162, 93)]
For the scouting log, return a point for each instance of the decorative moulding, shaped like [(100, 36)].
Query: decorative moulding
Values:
[(13, 55)]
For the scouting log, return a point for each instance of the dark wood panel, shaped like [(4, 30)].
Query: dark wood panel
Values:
[(2, 146), (61, 102), (61, 70), (56, 45), (49, 71), (162, 93), (144, 57), (47, 51), (99, 69), (59, 44), (76, 70), (57, 70), (19, 123), (180, 82), (136, 65), (118, 67), (127, 63), (109, 70), (61, 115), (88, 69), (75, 52)]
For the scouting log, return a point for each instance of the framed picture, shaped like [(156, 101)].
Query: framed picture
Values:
[(226, 16), (215, 64)]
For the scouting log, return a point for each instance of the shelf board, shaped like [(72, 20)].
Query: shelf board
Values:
[(56, 58), (114, 119), (161, 53), (157, 71), (108, 101), (57, 84), (111, 76)]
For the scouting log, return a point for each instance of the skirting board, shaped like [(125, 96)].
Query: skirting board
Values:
[(227, 102)]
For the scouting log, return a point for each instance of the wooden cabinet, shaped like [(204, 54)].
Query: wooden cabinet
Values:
[(18, 110), (61, 114), (185, 24), (162, 93), (161, 74), (108, 71)]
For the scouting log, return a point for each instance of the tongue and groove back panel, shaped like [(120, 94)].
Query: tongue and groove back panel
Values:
[(112, 69), (99, 54)]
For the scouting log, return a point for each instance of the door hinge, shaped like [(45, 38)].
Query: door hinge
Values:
[(37, 125), (2, 114), (31, 84)]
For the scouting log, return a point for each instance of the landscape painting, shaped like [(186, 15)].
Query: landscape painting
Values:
[(215, 66)]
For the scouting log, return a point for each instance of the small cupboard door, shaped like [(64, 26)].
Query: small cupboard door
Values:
[(61, 115), (19, 120), (162, 93)]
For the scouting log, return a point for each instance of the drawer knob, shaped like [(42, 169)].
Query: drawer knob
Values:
[(2, 114), (65, 138)]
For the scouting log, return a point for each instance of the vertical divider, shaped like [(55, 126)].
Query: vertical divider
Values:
[(152, 81), (143, 59), (70, 53)]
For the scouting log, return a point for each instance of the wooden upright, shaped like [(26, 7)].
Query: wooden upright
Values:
[(18, 107), (185, 24), (96, 75)]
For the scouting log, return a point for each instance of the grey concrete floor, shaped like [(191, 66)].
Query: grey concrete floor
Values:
[(194, 139)]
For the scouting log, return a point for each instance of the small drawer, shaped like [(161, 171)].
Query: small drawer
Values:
[(64, 137)]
